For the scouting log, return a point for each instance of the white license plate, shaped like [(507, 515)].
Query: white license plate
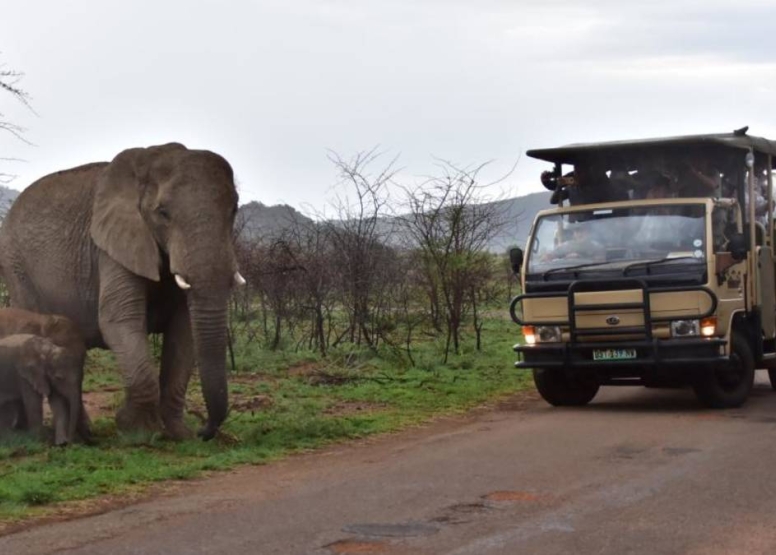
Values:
[(613, 354)]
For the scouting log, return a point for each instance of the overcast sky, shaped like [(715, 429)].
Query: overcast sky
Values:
[(274, 86)]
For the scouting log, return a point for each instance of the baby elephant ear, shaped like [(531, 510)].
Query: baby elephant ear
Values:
[(32, 363)]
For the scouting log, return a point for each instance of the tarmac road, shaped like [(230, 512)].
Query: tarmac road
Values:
[(637, 471)]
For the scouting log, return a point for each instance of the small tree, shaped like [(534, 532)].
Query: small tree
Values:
[(311, 245), (9, 80), (451, 222), (358, 238)]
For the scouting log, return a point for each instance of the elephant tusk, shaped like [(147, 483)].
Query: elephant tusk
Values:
[(182, 283), (238, 279)]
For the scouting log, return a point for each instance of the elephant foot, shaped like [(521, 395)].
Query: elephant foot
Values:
[(131, 418), (176, 430)]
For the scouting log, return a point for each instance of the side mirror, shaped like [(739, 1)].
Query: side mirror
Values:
[(737, 245), (516, 259)]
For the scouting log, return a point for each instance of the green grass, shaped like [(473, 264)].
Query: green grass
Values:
[(282, 403)]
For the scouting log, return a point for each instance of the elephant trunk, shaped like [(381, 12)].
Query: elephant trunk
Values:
[(208, 323)]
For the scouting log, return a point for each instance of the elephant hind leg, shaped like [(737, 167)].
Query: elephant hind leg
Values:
[(10, 415)]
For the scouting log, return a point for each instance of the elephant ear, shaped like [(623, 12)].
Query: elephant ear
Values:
[(32, 364), (118, 227)]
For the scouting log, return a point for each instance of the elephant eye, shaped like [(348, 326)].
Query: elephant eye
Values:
[(162, 212)]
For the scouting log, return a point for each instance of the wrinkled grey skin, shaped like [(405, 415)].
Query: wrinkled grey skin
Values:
[(33, 368), (63, 333), (101, 244)]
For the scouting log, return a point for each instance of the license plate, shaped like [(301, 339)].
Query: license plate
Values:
[(613, 354)]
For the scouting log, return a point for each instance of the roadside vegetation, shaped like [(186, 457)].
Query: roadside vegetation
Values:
[(348, 327)]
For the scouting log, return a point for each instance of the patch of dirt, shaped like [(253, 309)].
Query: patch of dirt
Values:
[(304, 369), (518, 401), (102, 403), (250, 403), (347, 408), (511, 496), (249, 379)]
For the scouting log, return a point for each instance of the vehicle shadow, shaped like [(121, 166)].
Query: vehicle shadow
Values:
[(675, 400)]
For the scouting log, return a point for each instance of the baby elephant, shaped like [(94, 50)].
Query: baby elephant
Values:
[(31, 368), (63, 333)]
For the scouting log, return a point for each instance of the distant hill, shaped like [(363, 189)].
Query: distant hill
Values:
[(518, 214), (7, 196), (256, 220)]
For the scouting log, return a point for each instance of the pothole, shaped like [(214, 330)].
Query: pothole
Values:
[(511, 496), (461, 513)]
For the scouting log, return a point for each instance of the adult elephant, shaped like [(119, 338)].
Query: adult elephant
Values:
[(139, 245)]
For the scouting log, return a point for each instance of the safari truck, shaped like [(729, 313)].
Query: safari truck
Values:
[(655, 268)]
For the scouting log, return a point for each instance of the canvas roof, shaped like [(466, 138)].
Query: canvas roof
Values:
[(573, 153)]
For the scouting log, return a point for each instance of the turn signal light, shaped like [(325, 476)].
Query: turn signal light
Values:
[(529, 333), (709, 326)]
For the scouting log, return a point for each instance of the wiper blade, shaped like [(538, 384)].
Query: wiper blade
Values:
[(649, 263), (574, 268)]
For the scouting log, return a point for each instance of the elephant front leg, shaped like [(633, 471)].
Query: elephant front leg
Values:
[(33, 410), (122, 314), (141, 387), (60, 413), (177, 364)]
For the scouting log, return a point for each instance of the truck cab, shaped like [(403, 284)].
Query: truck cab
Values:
[(654, 268)]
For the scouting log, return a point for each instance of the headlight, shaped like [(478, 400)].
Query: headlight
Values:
[(685, 328), (548, 334)]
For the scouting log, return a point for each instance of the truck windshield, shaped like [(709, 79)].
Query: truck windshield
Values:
[(618, 238)]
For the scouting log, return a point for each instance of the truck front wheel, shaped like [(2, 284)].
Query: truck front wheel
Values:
[(561, 390), (728, 386)]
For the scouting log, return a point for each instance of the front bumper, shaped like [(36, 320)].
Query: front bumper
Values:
[(649, 354)]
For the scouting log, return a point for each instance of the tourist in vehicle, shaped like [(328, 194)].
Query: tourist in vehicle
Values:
[(588, 184), (581, 244), (761, 194), (625, 184), (696, 177), (659, 187)]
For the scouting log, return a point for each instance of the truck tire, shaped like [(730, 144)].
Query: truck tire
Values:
[(560, 390), (728, 387)]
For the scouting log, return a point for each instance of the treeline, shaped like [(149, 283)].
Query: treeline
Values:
[(370, 277)]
